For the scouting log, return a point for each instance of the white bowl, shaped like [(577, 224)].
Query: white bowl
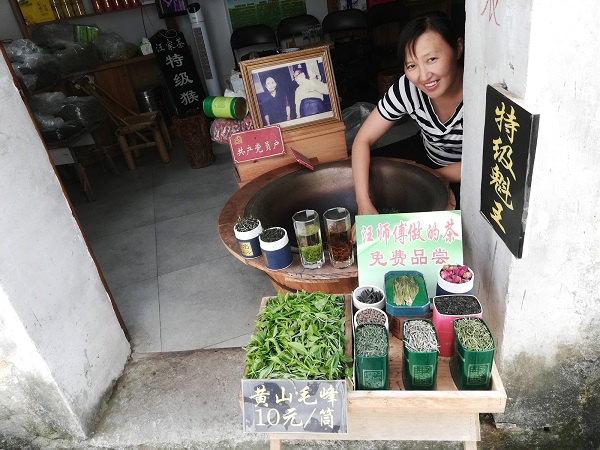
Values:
[(360, 305), (379, 311)]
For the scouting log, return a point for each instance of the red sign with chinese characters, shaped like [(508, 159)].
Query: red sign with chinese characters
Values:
[(256, 144)]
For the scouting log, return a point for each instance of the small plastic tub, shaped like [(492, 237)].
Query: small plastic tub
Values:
[(377, 312), (278, 254), (420, 305), (443, 322), (360, 289), (249, 243), (420, 368), (474, 366)]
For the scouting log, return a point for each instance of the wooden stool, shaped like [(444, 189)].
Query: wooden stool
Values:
[(152, 122)]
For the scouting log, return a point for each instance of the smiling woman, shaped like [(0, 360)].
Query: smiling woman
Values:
[(430, 92)]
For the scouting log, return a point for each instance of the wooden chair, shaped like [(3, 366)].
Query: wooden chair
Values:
[(148, 127)]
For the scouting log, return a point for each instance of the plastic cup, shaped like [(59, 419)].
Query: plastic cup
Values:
[(338, 229), (308, 234)]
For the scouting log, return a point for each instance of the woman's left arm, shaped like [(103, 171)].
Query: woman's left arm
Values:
[(451, 173)]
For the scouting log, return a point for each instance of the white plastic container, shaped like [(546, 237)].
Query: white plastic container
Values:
[(359, 304), (377, 311)]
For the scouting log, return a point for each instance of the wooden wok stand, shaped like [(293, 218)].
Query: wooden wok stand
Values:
[(294, 278)]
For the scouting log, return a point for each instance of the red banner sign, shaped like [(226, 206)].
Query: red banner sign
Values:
[(256, 144)]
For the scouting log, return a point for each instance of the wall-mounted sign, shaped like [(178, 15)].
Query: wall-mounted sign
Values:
[(256, 144), (421, 242), (177, 66), (509, 143), (295, 406)]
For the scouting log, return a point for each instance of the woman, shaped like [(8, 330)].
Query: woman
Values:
[(430, 92), (275, 107)]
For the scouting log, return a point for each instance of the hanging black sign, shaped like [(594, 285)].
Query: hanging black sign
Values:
[(295, 406), (177, 66), (509, 143)]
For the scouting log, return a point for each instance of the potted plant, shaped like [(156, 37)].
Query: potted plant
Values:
[(247, 230), (420, 352), (371, 350), (275, 246), (455, 279), (474, 354), (447, 308)]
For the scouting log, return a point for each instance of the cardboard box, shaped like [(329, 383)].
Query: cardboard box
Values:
[(37, 11)]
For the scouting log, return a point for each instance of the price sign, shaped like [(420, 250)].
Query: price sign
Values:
[(295, 406), (256, 144)]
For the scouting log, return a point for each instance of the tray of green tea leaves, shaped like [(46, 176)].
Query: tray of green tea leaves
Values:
[(406, 293), (301, 336)]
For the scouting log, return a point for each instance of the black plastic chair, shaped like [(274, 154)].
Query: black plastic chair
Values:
[(345, 22), (252, 36), (351, 56), (291, 27), (385, 22)]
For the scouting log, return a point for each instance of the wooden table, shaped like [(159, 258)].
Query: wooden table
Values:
[(294, 278)]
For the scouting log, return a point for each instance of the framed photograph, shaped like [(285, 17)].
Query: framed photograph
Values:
[(291, 89), (170, 8)]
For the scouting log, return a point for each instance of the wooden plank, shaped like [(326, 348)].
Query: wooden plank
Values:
[(326, 142), (401, 426)]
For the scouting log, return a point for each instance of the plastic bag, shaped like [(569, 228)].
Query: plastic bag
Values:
[(19, 48), (353, 117), (221, 129), (82, 110), (47, 103), (53, 35), (114, 48), (76, 57), (34, 68)]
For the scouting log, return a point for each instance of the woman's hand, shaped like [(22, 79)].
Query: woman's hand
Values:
[(363, 210)]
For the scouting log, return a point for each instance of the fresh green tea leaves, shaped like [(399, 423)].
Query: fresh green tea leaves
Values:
[(300, 336)]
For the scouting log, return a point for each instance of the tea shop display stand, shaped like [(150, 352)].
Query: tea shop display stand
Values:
[(443, 414)]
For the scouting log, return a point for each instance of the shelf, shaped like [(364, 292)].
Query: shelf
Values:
[(24, 26)]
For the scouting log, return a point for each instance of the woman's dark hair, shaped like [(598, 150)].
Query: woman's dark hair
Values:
[(434, 21)]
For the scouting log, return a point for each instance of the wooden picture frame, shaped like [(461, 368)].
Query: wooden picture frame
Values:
[(303, 81), (170, 8)]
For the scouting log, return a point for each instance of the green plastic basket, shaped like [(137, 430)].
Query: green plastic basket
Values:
[(472, 369), (372, 371), (420, 368)]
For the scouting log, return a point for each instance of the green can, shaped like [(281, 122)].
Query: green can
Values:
[(225, 107), (472, 369), (420, 367), (371, 351)]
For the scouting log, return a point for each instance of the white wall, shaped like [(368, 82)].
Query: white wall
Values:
[(61, 346), (541, 308)]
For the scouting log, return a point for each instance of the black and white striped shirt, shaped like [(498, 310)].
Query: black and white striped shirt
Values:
[(442, 141)]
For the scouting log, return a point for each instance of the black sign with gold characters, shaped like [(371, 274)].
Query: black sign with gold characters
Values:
[(509, 143), (295, 406), (177, 67)]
